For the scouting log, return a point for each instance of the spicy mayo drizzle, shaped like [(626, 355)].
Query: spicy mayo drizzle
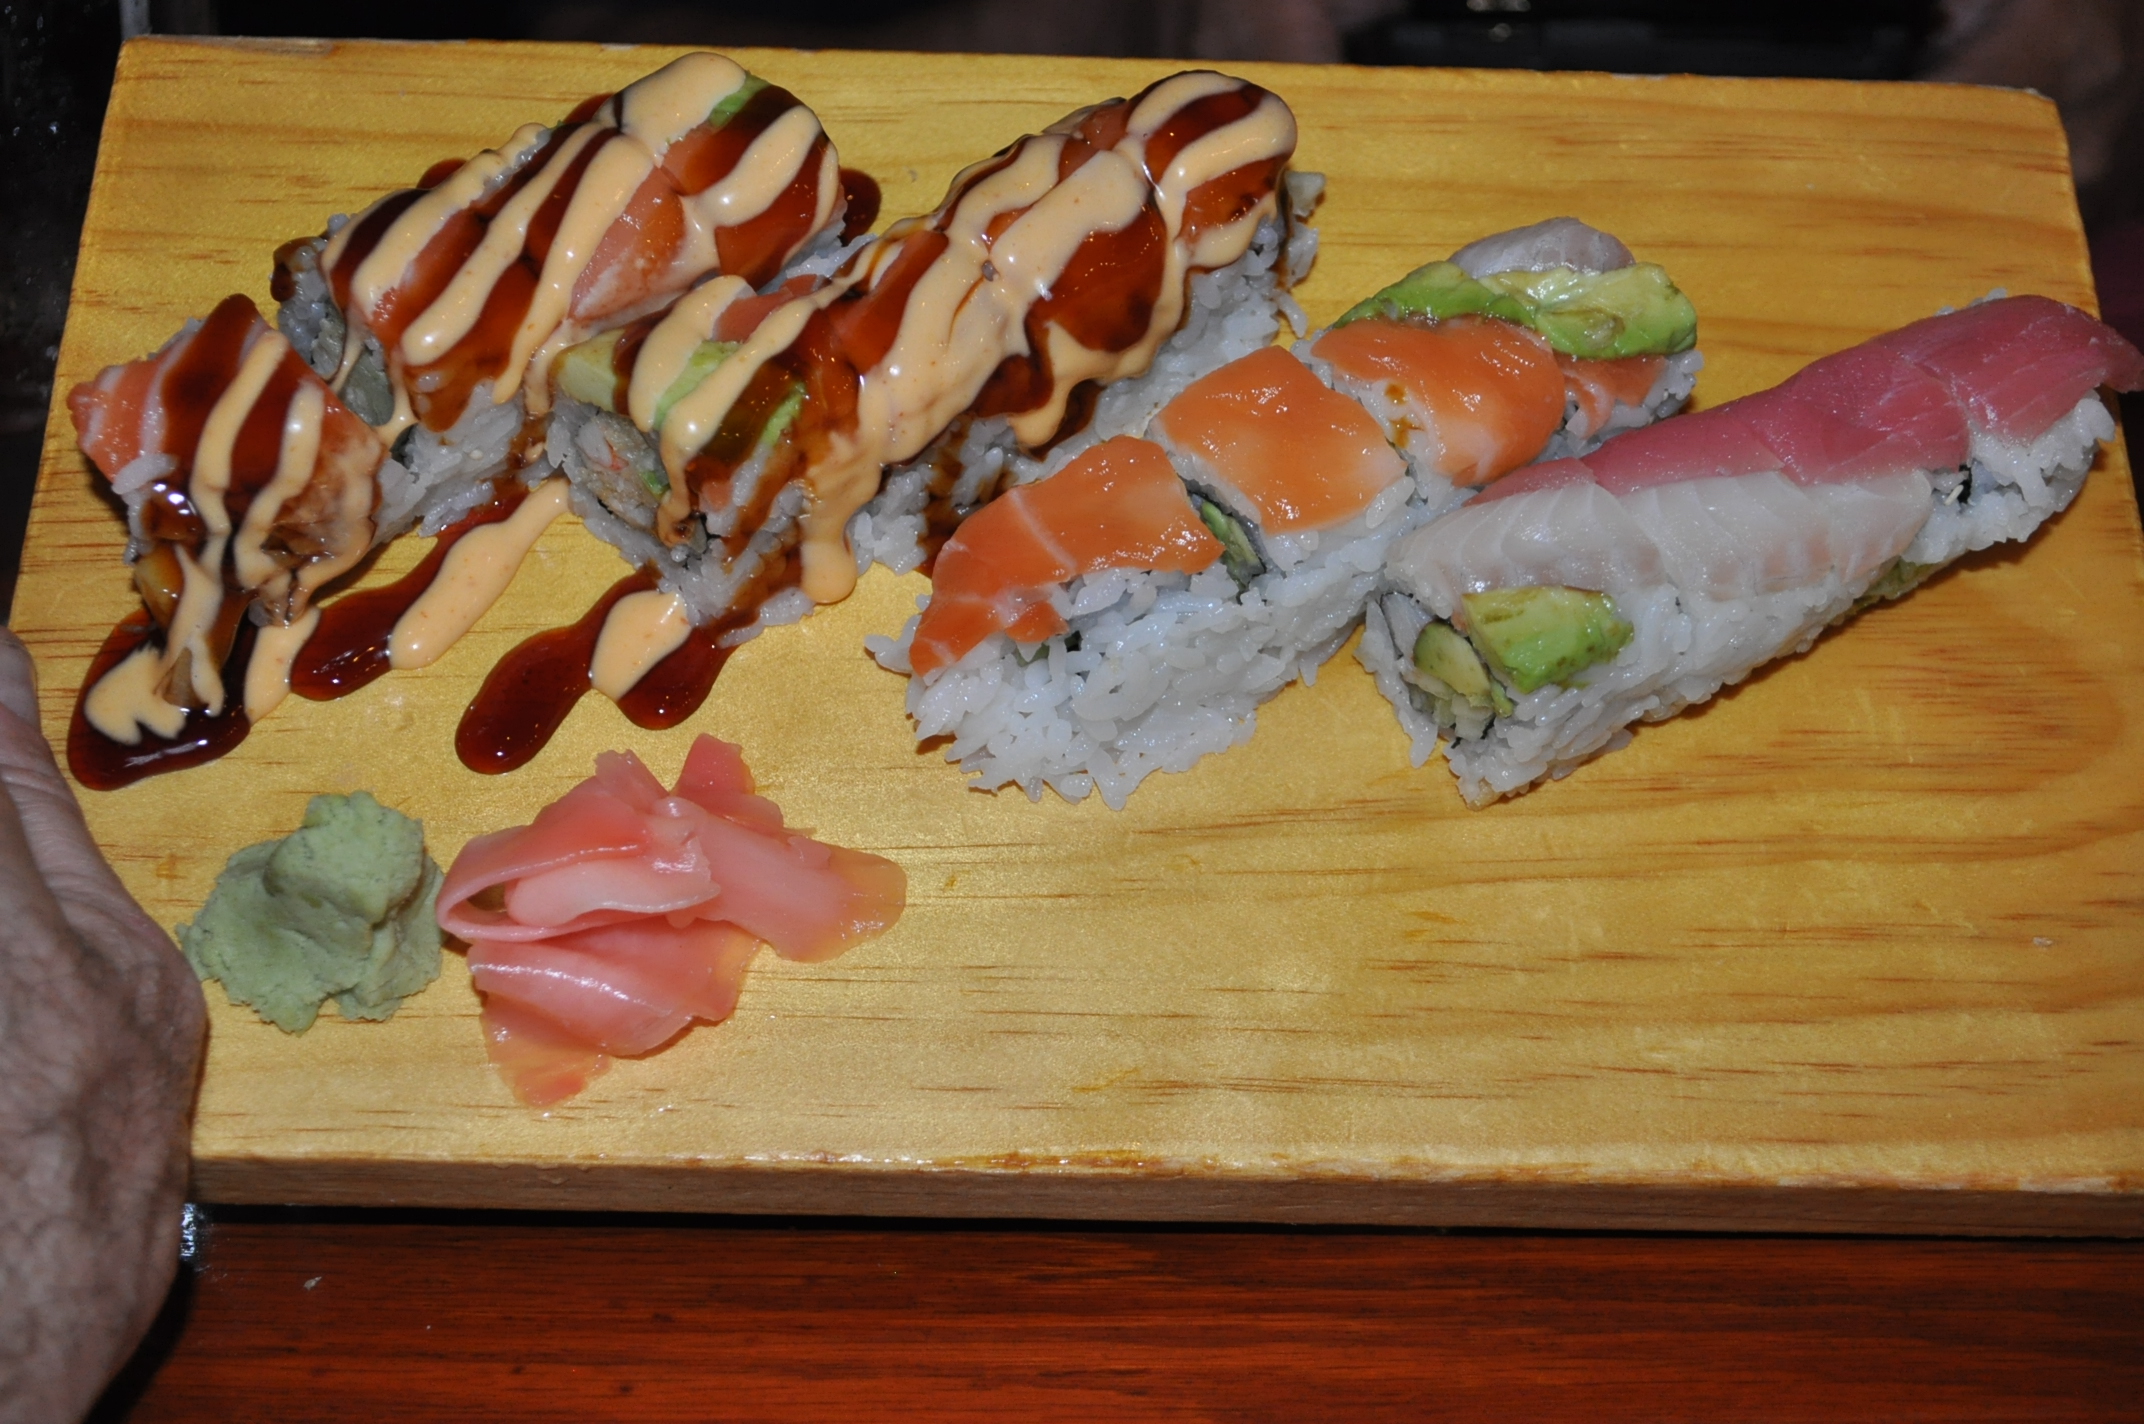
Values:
[(181, 737), (636, 645), (1062, 261), (412, 621), (253, 485), (482, 276)]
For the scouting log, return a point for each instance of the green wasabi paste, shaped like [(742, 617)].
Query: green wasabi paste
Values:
[(341, 908)]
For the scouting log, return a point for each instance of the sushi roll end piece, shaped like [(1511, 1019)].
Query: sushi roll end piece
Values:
[(1527, 630)]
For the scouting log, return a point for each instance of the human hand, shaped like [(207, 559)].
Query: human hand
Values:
[(101, 1028)]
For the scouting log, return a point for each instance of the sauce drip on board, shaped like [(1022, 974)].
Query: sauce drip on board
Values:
[(674, 688), (102, 764), (527, 695), (349, 648)]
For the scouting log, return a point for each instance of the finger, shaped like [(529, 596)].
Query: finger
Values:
[(28, 905), (56, 839), (18, 678)]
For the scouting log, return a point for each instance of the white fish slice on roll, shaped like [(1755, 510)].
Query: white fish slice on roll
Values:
[(1529, 629)]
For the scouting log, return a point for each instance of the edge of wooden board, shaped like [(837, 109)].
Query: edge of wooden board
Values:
[(969, 1186), (1039, 1193)]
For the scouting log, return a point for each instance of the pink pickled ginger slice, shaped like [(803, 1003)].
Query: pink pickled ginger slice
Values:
[(626, 911)]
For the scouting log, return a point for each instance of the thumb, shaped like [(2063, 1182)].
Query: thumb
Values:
[(18, 678)]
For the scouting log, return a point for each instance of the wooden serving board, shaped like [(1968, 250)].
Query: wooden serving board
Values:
[(1861, 945)]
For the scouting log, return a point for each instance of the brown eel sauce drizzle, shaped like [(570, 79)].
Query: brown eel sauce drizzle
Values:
[(102, 764), (526, 697), (349, 648)]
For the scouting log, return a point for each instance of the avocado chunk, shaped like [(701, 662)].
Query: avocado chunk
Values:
[(734, 101), (1900, 579), (698, 367), (1604, 316), (1440, 291), (1237, 553), (1536, 636), (587, 372), (784, 416), (1442, 653), (1595, 316)]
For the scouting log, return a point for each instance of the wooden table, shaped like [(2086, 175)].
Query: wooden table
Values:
[(375, 1318)]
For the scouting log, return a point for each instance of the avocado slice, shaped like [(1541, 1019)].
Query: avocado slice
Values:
[(784, 416), (734, 101), (698, 367), (1442, 653), (1440, 290), (588, 372), (1900, 579), (1536, 636), (1237, 553), (1603, 316), (1595, 316)]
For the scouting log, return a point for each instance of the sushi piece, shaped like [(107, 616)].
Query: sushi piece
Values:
[(1130, 612), (258, 464), (1531, 627), (1078, 637), (1528, 345), (436, 311), (248, 485), (737, 444), (626, 911)]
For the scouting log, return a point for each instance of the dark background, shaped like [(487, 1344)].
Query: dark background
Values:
[(2088, 55)]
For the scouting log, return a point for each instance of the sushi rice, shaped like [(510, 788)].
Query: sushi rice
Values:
[(1158, 670), (1232, 310), (1686, 643)]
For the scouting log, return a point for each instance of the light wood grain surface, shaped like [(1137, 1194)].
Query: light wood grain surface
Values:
[(1857, 946)]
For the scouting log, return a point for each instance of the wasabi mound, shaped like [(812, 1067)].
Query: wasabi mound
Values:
[(341, 908)]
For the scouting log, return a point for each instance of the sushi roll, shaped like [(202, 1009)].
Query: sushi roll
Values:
[(737, 444), (1527, 345), (1085, 667), (435, 312), (1118, 618), (1128, 612), (248, 484), (1531, 627)]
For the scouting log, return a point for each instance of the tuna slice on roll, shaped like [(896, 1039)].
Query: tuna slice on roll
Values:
[(1532, 626)]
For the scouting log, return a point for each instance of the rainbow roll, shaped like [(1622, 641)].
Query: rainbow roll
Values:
[(1532, 626)]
